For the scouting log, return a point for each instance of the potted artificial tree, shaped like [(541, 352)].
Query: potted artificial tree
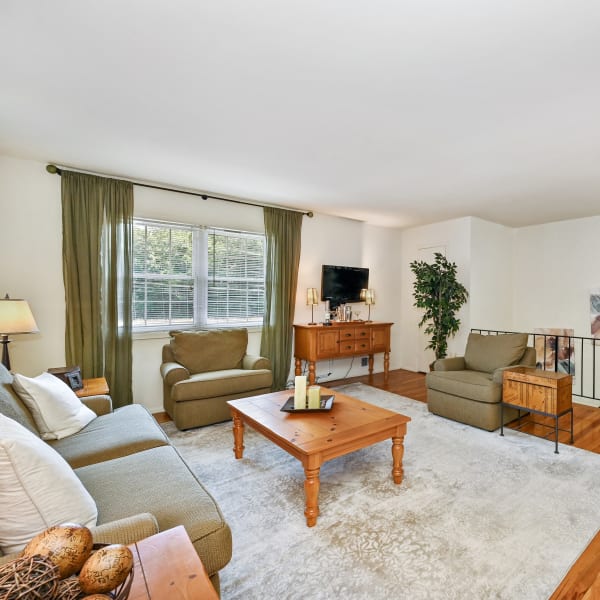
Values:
[(441, 295)]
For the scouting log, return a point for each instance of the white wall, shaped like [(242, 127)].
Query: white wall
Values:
[(555, 266), (31, 246), (491, 281), (31, 265)]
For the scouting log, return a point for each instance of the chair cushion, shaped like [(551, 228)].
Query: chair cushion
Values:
[(490, 352), (202, 351), (38, 489), (126, 430), (57, 411), (221, 383), (474, 385), (158, 481)]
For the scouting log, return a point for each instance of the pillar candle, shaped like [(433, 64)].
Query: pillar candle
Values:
[(314, 396), (300, 392)]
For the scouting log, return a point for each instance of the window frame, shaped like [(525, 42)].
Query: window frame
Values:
[(200, 277)]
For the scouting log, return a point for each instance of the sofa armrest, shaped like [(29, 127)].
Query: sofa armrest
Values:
[(456, 363), (101, 405), (126, 531), (251, 361), (173, 372)]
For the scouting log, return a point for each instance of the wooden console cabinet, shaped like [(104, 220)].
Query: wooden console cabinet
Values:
[(341, 340)]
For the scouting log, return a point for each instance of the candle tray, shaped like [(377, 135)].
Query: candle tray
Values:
[(326, 404)]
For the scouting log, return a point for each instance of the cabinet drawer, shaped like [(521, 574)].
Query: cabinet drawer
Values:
[(347, 334), (347, 347), (362, 333), (362, 346)]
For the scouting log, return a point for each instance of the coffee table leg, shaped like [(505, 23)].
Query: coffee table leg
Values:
[(397, 454), (311, 491), (238, 435)]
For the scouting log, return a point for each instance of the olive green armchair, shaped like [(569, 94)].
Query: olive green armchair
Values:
[(468, 388), (201, 370)]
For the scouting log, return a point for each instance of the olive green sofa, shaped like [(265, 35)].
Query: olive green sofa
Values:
[(201, 370), (468, 388), (139, 482)]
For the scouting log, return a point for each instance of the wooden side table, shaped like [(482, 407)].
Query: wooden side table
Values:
[(545, 393), (97, 386), (166, 566)]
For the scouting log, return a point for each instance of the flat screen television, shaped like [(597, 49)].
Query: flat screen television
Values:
[(343, 284)]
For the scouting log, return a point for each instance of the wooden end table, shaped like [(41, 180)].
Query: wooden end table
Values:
[(96, 386), (314, 438), (545, 393), (166, 566)]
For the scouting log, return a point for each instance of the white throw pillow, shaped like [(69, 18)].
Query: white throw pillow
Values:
[(38, 489), (55, 407)]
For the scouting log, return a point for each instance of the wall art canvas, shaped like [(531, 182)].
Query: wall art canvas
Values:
[(595, 312), (556, 351)]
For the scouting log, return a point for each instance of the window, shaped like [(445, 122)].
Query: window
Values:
[(190, 276)]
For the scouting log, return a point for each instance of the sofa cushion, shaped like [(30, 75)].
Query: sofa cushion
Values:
[(11, 405), (159, 481), (38, 489), (221, 383), (126, 430), (490, 352), (56, 410), (202, 351), (474, 385)]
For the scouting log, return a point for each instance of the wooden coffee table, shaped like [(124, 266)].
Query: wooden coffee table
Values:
[(314, 438)]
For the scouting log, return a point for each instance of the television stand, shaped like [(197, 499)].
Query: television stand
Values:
[(341, 339)]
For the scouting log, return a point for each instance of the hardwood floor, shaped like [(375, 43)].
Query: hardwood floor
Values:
[(586, 419)]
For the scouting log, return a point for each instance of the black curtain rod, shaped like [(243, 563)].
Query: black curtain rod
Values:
[(58, 171)]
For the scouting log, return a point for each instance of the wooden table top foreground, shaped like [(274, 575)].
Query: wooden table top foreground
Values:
[(316, 437)]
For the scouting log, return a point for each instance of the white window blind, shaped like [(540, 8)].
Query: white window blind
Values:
[(196, 276)]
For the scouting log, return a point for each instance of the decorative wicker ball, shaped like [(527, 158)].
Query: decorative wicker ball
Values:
[(29, 578), (69, 589)]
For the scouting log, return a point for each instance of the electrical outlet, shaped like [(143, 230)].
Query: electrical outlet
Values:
[(364, 361)]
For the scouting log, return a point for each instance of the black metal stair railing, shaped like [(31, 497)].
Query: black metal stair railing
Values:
[(571, 354)]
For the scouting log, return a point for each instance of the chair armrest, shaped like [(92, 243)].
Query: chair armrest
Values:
[(101, 405), (251, 361), (498, 374), (456, 363), (126, 531), (173, 372)]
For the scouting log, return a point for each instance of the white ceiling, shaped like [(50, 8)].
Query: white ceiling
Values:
[(396, 112)]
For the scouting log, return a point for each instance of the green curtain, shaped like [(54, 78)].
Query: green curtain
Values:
[(282, 234), (97, 218)]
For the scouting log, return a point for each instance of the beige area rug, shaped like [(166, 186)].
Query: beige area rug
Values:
[(477, 516)]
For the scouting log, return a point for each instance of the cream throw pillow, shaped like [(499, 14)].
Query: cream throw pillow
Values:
[(38, 489), (56, 409)]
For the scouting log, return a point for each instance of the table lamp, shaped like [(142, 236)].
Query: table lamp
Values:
[(15, 317), (312, 298), (369, 301)]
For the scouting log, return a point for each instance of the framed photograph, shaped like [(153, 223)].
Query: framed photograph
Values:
[(74, 380)]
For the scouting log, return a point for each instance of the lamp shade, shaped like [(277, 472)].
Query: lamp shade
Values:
[(369, 297), (16, 317), (312, 297)]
